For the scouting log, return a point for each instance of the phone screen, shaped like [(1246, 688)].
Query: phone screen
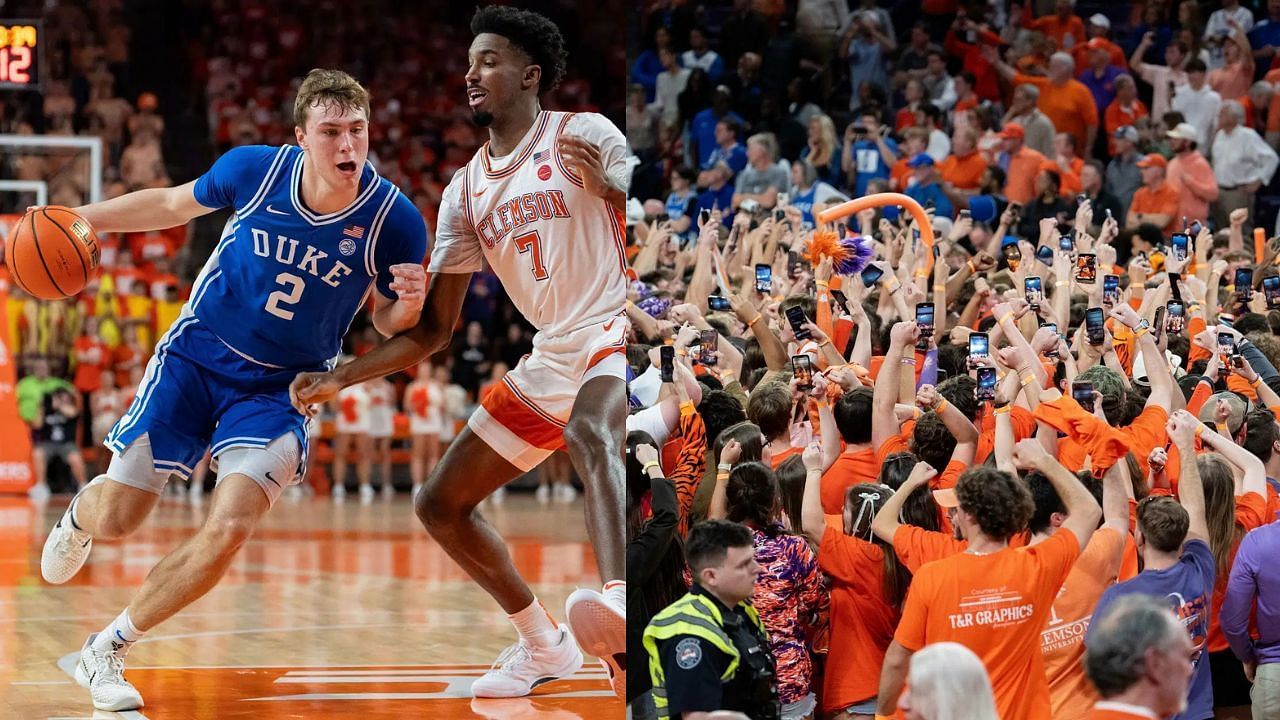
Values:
[(1033, 289), (979, 344), (764, 278), (1012, 254), (841, 300), (1087, 269), (1082, 393), (924, 321), (1180, 241), (1045, 254), (1177, 317), (1066, 243), (1093, 319), (986, 389), (795, 316), (803, 368), (871, 275), (667, 356), (717, 302), (708, 340), (1226, 344), (1244, 283), (703, 216), (793, 264), (1271, 288), (1110, 289), (1157, 326)]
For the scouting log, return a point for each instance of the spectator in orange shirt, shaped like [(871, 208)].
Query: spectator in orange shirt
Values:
[(915, 140), (1064, 26), (962, 169), (1156, 202), (1066, 155), (1021, 165), (1232, 80), (1139, 661), (1015, 586), (1098, 29), (1257, 108), (1126, 109), (1067, 102), (1190, 174), (857, 464)]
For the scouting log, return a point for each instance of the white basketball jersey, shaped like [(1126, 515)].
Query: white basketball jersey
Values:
[(559, 251)]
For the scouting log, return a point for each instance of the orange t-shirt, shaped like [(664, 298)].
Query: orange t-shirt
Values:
[(92, 358), (996, 605), (916, 546), (963, 172), (1062, 640), (1163, 201), (1020, 180), (1118, 711), (1070, 105), (778, 458), (851, 468), (899, 174), (862, 621), (1251, 513), (1118, 115), (1024, 426), (1057, 28)]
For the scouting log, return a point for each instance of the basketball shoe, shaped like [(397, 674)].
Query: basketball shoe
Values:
[(102, 674), (600, 625), (66, 548), (523, 667)]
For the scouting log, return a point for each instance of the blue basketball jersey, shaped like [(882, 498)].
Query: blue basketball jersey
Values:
[(284, 282)]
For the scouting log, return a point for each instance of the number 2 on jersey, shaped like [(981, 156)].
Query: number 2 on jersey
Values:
[(292, 296), (532, 243)]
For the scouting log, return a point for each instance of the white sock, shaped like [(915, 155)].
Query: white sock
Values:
[(536, 626), (119, 636), (616, 592)]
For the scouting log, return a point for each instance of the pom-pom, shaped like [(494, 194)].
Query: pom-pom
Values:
[(849, 255)]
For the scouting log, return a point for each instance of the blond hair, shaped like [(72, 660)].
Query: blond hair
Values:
[(329, 87)]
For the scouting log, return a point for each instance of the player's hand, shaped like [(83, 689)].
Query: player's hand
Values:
[(310, 390), (409, 283), (583, 159)]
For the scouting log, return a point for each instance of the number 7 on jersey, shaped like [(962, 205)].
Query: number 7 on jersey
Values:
[(532, 243)]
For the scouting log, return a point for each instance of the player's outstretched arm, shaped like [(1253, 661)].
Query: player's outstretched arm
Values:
[(149, 209), (432, 333)]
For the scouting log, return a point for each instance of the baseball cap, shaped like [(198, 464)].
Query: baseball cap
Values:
[(1153, 160), (1097, 44), (1100, 20), (1013, 131), (946, 498), (1184, 131), (1126, 132), (982, 208), (920, 160)]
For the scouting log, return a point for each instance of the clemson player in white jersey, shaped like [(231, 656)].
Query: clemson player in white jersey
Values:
[(424, 403), (542, 203)]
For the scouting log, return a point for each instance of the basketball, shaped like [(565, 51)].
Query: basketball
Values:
[(52, 252)]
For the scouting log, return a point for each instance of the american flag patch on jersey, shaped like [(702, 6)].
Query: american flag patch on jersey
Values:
[(543, 156), (354, 231)]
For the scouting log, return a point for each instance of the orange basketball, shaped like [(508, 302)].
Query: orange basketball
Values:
[(52, 252)]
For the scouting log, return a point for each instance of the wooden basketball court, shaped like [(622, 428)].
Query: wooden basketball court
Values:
[(331, 611)]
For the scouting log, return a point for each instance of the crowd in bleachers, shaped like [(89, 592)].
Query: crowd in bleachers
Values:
[(1059, 392), (246, 61)]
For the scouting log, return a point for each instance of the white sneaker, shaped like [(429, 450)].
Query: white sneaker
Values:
[(39, 493), (566, 494), (601, 629), (388, 491), (339, 493), (523, 667), (102, 674), (543, 494), (366, 494), (65, 551)]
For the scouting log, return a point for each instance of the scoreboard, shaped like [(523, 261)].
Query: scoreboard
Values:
[(21, 43)]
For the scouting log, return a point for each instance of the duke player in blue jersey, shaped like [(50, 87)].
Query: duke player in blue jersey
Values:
[(314, 232)]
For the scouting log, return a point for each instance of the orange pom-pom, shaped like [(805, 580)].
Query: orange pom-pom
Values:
[(825, 243)]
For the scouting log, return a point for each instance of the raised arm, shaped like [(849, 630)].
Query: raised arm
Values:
[(885, 524), (812, 519), (1183, 428), (885, 393), (1083, 512)]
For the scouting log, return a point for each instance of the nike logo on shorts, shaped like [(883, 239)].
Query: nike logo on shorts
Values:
[(273, 479)]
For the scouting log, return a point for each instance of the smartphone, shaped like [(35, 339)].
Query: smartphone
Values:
[(1180, 244), (924, 321), (708, 340), (764, 278), (784, 199), (667, 368), (1244, 283), (1016, 209), (1157, 326), (1093, 319), (965, 213), (1271, 289), (986, 389), (1177, 317), (1044, 254), (871, 275), (1033, 290), (1053, 351), (1066, 243), (797, 320), (979, 346), (841, 300), (1110, 289), (1226, 345), (717, 303), (803, 370), (704, 216), (1012, 254), (779, 214), (793, 264), (1082, 393), (1087, 268), (1196, 227)]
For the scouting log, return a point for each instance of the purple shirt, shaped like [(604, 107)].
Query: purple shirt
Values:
[(1254, 576), (1102, 86)]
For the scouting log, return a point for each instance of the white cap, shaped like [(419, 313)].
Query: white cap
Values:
[(1184, 131), (1100, 20)]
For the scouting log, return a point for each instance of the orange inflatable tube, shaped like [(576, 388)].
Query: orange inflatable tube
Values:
[(857, 205)]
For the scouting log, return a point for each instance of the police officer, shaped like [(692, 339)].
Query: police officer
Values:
[(708, 650)]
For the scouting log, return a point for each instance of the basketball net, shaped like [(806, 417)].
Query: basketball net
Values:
[(16, 474)]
